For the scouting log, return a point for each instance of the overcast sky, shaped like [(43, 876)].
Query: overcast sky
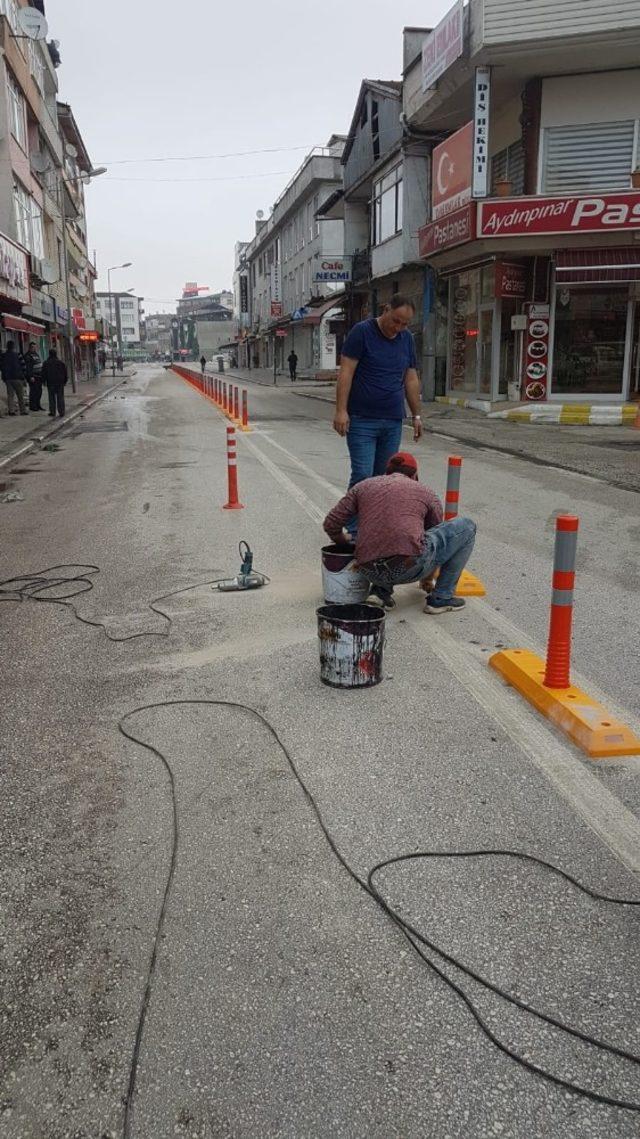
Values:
[(157, 79)]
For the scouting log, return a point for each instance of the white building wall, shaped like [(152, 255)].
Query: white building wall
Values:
[(509, 21)]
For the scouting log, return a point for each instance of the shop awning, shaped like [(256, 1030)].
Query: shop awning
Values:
[(600, 266), (19, 324)]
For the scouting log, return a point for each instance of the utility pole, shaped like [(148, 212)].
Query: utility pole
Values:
[(72, 357)]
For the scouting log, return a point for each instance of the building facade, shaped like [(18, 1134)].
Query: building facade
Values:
[(295, 266), (46, 276), (205, 323), (385, 188), (534, 259), (124, 313), (158, 334)]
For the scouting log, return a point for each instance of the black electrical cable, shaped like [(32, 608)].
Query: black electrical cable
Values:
[(32, 586), (413, 935)]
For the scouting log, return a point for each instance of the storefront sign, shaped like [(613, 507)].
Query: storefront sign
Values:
[(281, 332), (77, 316), (480, 183), (85, 337), (41, 307), (454, 229), (451, 172), (334, 269), (244, 294), (276, 308), (62, 314), (608, 212), (443, 46), (276, 282), (511, 280), (536, 353), (14, 272)]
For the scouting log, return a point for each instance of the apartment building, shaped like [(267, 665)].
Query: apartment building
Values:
[(295, 266), (533, 254), (382, 203), (43, 165), (124, 313)]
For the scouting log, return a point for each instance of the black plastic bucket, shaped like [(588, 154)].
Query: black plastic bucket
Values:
[(351, 644)]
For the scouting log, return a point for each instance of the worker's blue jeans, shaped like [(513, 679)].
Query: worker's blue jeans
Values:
[(447, 546)]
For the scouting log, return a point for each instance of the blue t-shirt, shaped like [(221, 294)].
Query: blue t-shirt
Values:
[(377, 390)]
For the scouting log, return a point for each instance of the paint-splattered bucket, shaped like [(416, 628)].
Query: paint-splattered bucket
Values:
[(343, 582), (351, 644)]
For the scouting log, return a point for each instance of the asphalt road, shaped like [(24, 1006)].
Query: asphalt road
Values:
[(283, 1001)]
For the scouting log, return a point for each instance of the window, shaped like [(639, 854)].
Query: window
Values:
[(37, 66), (364, 111), (17, 118), (387, 206), (126, 304), (28, 221), (508, 165), (589, 339), (591, 156), (375, 137), (316, 207), (310, 220)]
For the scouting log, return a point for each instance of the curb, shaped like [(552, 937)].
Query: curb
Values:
[(38, 440), (581, 414)]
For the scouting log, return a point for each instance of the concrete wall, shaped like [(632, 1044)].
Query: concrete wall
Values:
[(356, 226), (519, 21), (361, 157), (604, 97)]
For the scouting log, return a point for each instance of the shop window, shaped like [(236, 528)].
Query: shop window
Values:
[(508, 166), (591, 156), (589, 340), (387, 206), (465, 288)]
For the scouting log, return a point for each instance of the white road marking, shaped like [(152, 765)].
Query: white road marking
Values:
[(603, 812)]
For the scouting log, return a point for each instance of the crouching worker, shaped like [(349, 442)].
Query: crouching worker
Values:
[(401, 536)]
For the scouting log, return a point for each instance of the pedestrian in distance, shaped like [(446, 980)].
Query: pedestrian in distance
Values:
[(13, 370), (378, 372), (54, 375), (119, 362), (401, 535), (203, 364), (33, 368), (293, 366), (102, 359)]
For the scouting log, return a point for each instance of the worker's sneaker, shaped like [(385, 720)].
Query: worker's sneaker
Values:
[(443, 605), (382, 596)]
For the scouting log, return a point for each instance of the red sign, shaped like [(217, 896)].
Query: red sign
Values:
[(536, 354), (511, 280), (77, 316), (451, 164), (276, 308), (521, 216), (281, 332), (87, 336), (454, 229)]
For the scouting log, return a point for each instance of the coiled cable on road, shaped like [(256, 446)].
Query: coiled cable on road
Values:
[(36, 586)]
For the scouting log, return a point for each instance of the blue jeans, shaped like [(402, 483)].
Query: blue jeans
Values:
[(371, 444), (447, 546)]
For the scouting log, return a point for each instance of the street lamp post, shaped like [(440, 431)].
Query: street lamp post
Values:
[(125, 265)]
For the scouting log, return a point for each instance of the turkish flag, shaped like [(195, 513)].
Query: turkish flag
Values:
[(451, 164)]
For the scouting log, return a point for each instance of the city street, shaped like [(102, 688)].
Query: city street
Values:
[(182, 951)]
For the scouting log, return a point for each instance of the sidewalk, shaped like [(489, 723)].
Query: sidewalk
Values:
[(20, 433), (264, 376)]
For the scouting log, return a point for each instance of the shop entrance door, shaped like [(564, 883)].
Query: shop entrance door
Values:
[(485, 351), (634, 379)]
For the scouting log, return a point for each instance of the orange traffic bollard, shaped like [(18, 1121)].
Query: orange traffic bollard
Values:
[(232, 472), (245, 411), (558, 665), (452, 494), (236, 403)]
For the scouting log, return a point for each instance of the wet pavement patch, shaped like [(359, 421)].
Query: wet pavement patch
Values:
[(100, 427)]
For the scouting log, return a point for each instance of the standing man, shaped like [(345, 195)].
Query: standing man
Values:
[(33, 367), (293, 366), (54, 375), (13, 371), (203, 364), (401, 535), (378, 371)]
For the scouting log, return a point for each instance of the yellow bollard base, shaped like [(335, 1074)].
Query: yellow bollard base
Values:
[(470, 586), (584, 720)]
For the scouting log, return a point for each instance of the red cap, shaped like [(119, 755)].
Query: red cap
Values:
[(402, 463)]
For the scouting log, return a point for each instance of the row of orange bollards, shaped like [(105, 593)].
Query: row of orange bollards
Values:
[(227, 397)]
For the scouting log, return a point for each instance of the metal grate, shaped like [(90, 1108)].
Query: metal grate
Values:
[(99, 427)]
